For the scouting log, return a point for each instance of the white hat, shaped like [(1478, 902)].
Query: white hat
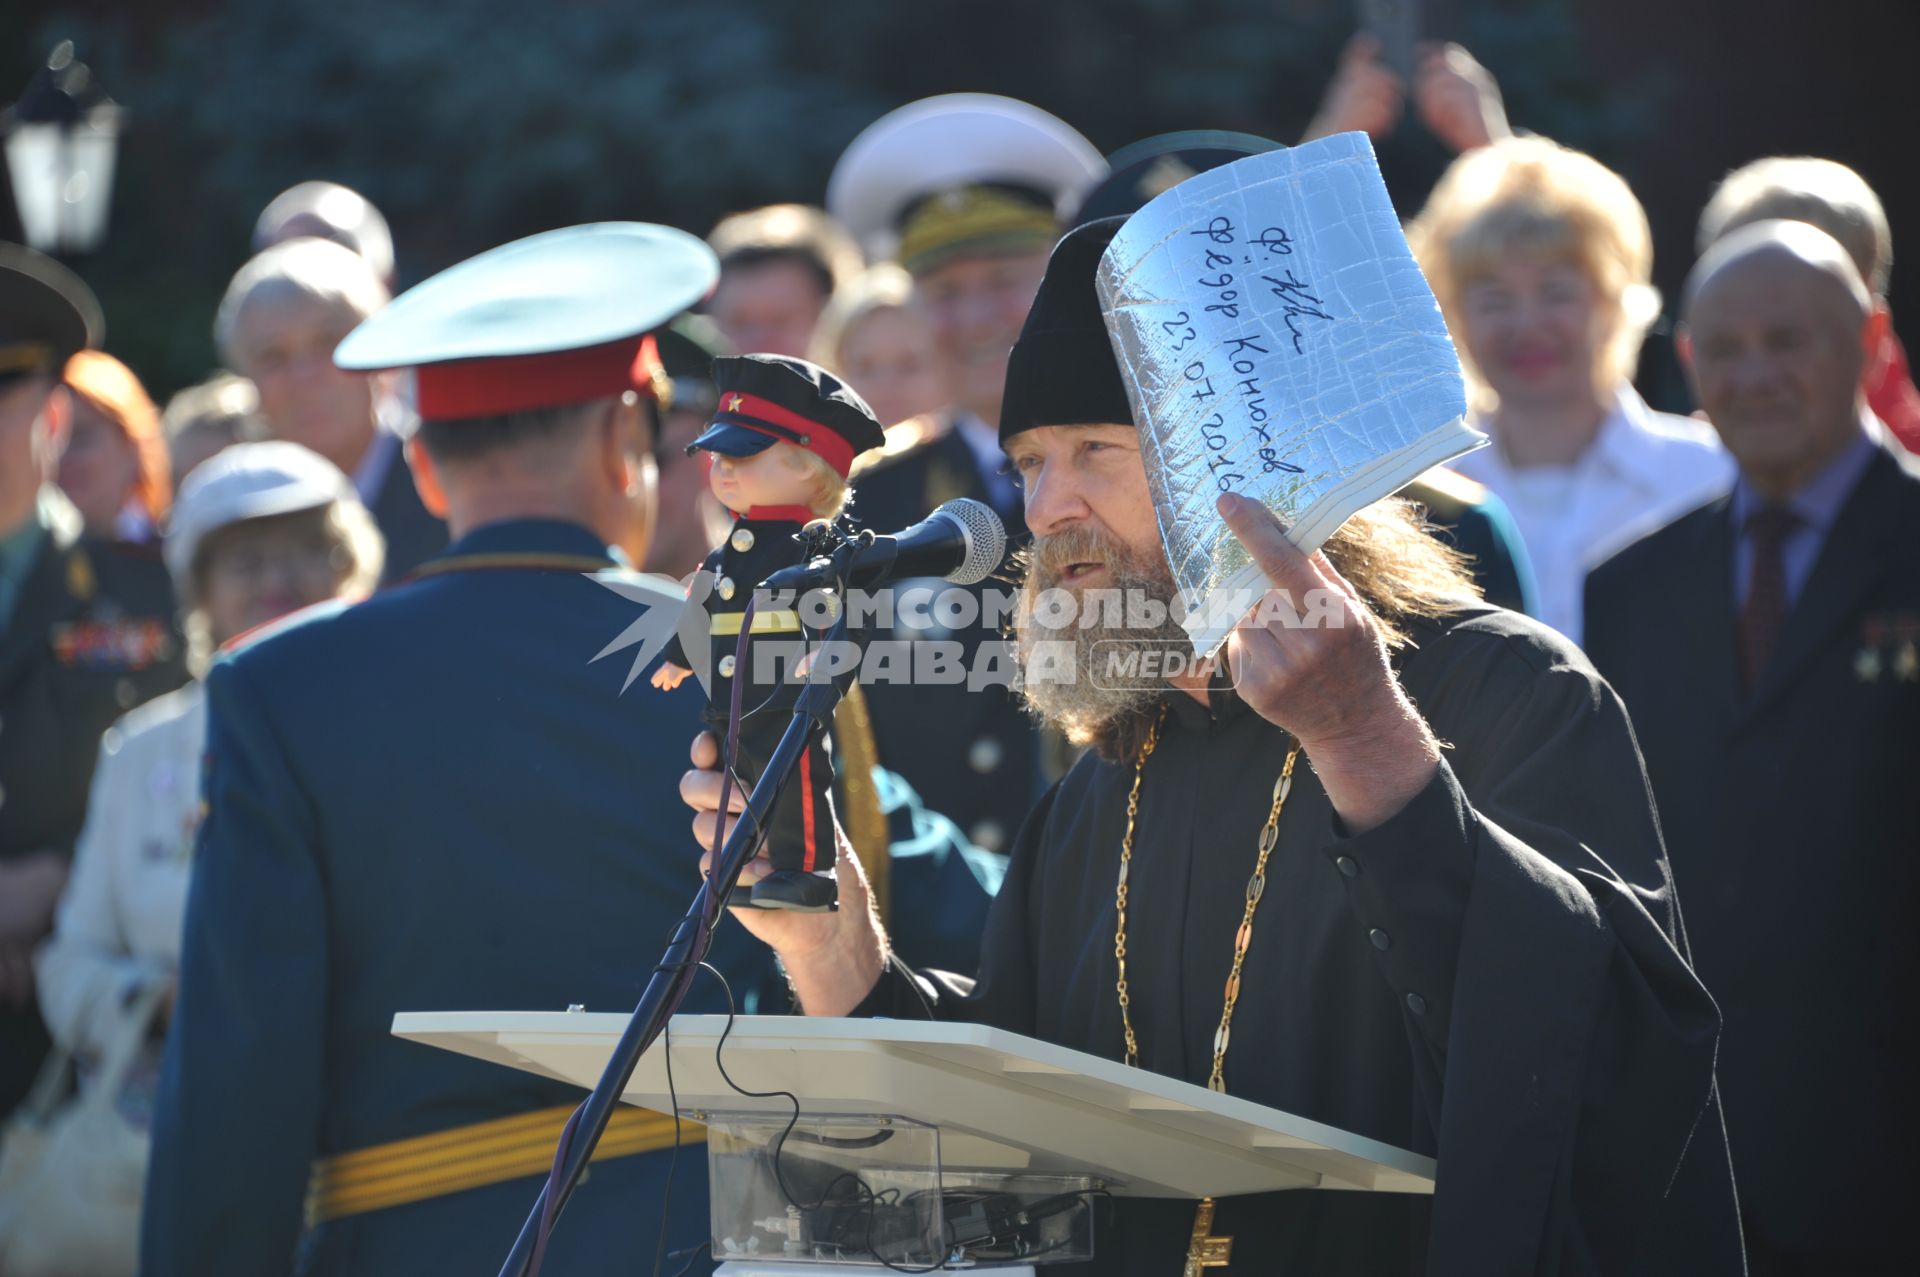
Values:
[(562, 317), (954, 141), (248, 481), (328, 210)]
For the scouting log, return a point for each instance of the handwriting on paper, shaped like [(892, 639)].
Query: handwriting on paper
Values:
[(1276, 339), (1236, 361)]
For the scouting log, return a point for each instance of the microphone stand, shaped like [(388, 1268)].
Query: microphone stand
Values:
[(667, 987)]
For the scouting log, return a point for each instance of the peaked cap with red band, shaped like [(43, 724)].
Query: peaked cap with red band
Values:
[(769, 399), (554, 319)]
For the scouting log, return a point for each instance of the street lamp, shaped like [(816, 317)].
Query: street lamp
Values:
[(60, 140)]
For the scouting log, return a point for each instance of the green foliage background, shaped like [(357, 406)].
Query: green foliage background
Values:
[(471, 122)]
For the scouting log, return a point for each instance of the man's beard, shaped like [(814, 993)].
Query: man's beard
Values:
[(1085, 662)]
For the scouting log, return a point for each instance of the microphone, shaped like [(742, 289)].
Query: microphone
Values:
[(963, 541)]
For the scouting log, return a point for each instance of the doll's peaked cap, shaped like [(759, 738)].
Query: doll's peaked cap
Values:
[(767, 399)]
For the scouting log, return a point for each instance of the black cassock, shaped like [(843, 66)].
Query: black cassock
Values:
[(1495, 977)]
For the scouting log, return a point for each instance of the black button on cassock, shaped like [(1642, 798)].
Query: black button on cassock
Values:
[(1416, 1004), (1381, 940), (1347, 865)]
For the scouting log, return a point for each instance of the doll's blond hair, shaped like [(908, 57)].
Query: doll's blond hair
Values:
[(829, 494)]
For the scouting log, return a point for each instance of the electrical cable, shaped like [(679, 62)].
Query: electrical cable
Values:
[(865, 1194), (913, 982), (692, 1253), (681, 974), (673, 1160), (868, 1197)]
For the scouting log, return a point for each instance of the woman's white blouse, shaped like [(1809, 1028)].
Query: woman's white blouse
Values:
[(118, 925), (1643, 470)]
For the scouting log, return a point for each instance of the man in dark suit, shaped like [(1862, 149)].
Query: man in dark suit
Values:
[(282, 315), (1765, 645), (87, 632)]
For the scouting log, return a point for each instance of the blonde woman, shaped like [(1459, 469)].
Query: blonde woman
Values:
[(1542, 261), (876, 334), (261, 530)]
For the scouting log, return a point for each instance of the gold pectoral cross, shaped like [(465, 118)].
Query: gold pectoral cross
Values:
[(1205, 1251)]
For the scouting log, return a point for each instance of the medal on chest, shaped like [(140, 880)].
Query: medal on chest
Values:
[(124, 644)]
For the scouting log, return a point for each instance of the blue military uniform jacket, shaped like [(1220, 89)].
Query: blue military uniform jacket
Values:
[(433, 800)]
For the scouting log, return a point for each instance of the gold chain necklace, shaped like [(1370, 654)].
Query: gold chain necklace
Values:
[(1256, 888), (1205, 1251)]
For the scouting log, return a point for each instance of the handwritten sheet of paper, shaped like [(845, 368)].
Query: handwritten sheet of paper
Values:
[(1277, 340)]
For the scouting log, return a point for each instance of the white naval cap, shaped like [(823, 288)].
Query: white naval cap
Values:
[(558, 318), (248, 481), (946, 147), (328, 210)]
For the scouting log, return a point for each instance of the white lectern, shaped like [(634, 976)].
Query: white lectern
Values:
[(923, 1103)]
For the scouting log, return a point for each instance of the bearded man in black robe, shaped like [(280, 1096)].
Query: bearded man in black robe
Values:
[(1465, 940)]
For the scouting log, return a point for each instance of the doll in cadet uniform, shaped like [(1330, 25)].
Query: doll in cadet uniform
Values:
[(782, 440)]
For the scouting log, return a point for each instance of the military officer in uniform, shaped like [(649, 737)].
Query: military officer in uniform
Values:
[(967, 192), (87, 632), (437, 799)]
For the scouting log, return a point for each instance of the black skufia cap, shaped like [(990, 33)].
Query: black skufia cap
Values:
[(764, 399), (1062, 371)]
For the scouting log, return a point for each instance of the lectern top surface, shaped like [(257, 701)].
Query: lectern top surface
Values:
[(1002, 1101)]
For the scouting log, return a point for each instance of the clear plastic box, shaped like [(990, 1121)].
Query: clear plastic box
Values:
[(873, 1191)]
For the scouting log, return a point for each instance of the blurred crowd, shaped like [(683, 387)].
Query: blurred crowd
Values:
[(1766, 646)]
